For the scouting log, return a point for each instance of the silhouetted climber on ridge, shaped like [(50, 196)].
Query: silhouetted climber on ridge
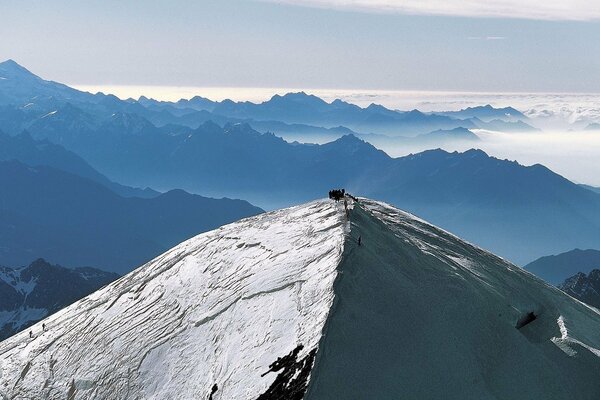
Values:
[(30, 334)]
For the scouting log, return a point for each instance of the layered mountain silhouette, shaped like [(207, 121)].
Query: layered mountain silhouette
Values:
[(75, 221), (556, 268), (497, 203), (30, 294), (43, 152), (27, 94), (519, 212)]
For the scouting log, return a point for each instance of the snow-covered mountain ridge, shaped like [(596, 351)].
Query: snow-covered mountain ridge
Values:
[(288, 305)]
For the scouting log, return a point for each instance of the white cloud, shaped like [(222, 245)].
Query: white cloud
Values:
[(576, 10)]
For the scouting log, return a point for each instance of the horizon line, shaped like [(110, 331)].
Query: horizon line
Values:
[(178, 92)]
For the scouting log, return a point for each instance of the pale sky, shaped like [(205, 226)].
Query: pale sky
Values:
[(440, 45)]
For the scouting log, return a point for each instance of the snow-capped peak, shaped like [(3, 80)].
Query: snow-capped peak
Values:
[(315, 302)]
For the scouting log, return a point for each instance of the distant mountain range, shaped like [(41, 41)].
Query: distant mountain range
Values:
[(519, 212), (584, 287), (556, 268), (29, 294), (26, 98), (496, 203)]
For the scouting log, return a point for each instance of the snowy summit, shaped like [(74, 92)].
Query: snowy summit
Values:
[(288, 305)]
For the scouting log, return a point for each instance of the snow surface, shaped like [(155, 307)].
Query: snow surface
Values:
[(413, 313), (218, 308)]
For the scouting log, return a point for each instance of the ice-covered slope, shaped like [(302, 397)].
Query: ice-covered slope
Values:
[(414, 312), (216, 309)]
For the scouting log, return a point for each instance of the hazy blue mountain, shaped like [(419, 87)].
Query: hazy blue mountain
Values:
[(25, 98), (311, 134), (584, 287), (74, 221), (519, 212), (442, 136), (39, 153), (197, 103), (488, 113), (503, 126), (302, 108), (33, 98), (30, 294), (556, 268), (303, 133), (20, 86), (292, 107)]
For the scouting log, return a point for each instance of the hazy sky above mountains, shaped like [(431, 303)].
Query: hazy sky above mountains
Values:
[(377, 44)]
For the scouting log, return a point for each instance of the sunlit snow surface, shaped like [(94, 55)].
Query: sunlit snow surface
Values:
[(218, 308)]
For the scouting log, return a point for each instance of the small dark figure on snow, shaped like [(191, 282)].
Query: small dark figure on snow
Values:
[(359, 240), (213, 391), (30, 334), (44, 327)]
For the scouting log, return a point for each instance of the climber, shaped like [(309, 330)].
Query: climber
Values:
[(30, 334), (44, 327), (359, 240)]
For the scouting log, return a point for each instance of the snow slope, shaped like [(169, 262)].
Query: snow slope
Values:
[(218, 308), (413, 313)]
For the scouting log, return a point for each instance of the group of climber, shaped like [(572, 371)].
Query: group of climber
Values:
[(337, 194)]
